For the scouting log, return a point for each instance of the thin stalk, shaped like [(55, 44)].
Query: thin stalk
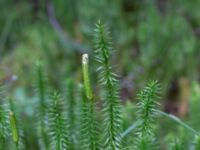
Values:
[(178, 120), (169, 116), (14, 130), (89, 109)]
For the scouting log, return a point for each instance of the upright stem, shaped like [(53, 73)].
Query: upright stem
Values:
[(89, 110), (14, 130)]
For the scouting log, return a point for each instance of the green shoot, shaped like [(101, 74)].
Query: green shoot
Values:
[(57, 125), (89, 125), (112, 120)]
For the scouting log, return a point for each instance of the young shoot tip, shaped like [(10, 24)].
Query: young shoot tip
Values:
[(85, 58)]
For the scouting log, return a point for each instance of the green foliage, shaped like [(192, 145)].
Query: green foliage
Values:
[(3, 127), (146, 115), (166, 43), (57, 125), (14, 129), (16, 135), (4, 121), (41, 91), (89, 128), (197, 143), (147, 106), (112, 120), (86, 78), (72, 113), (161, 42), (177, 145)]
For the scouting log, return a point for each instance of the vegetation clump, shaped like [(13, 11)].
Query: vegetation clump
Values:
[(80, 121)]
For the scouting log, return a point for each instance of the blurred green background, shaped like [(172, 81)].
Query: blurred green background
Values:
[(152, 39)]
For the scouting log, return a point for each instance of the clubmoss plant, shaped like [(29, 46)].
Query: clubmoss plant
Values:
[(72, 112), (57, 125), (146, 115), (86, 77), (3, 127), (41, 91), (61, 126), (14, 130), (4, 121), (89, 124), (108, 80)]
